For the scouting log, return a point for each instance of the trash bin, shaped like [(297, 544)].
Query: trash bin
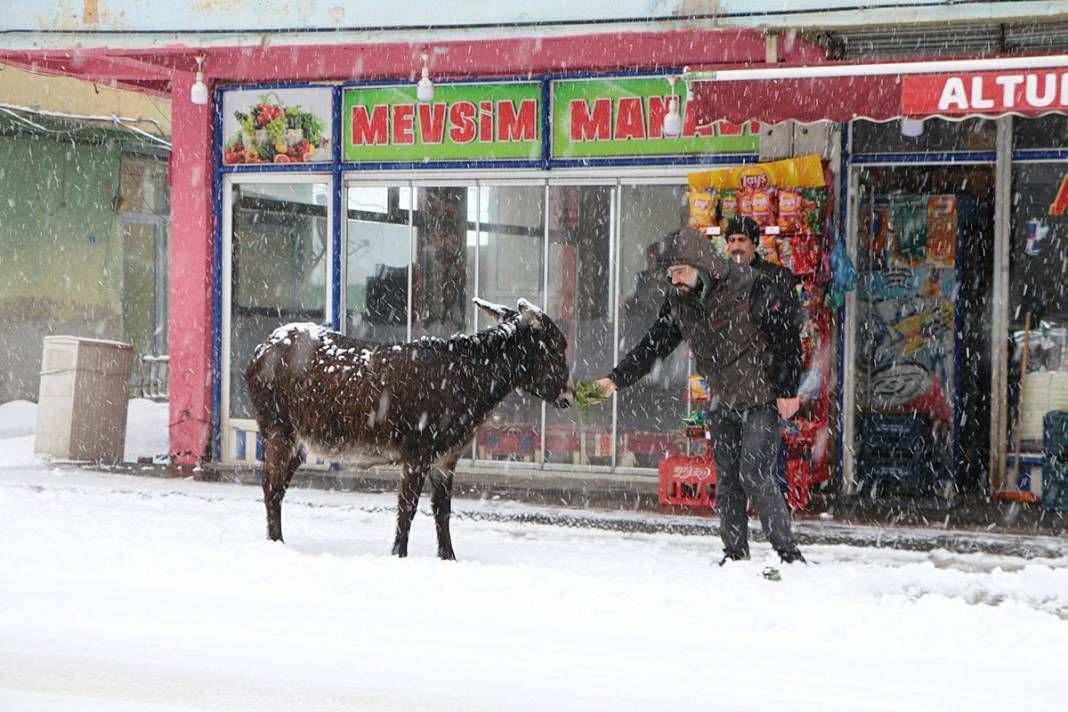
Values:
[(81, 411)]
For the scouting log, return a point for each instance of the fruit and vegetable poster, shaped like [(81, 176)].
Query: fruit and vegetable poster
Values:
[(277, 126)]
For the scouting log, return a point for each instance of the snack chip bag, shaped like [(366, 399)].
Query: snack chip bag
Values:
[(769, 249), (728, 207), (728, 204), (745, 203), (702, 208), (786, 252), (790, 219), (812, 202), (764, 206)]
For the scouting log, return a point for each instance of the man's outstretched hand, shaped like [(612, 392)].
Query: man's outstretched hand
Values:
[(608, 387)]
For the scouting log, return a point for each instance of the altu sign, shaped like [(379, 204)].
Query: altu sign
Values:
[(1026, 92)]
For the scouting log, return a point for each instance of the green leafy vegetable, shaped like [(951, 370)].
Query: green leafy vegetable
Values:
[(587, 393)]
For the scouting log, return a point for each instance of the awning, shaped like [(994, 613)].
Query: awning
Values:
[(1027, 86)]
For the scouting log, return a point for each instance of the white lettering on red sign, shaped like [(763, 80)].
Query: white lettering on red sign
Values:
[(990, 92)]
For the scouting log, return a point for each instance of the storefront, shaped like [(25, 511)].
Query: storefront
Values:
[(337, 196), (954, 219), (359, 206)]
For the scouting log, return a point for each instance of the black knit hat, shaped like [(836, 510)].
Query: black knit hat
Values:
[(743, 226)]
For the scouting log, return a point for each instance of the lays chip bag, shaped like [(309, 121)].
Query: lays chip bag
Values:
[(703, 204)]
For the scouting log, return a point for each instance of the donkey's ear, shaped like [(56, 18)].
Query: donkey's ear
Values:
[(532, 314), (497, 311)]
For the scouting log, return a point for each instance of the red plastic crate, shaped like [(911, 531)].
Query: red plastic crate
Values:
[(797, 483), (687, 481)]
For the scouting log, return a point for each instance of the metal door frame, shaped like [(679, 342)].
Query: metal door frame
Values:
[(228, 425)]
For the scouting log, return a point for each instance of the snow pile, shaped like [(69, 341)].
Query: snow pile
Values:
[(147, 433), (132, 593), (18, 422), (17, 418)]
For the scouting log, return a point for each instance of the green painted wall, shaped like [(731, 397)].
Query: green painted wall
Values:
[(61, 250), (60, 256)]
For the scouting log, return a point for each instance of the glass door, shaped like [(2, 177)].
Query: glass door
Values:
[(922, 334), (579, 300), (377, 258), (651, 411), (511, 265), (275, 271)]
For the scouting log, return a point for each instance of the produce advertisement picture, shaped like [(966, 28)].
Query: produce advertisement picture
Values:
[(276, 126)]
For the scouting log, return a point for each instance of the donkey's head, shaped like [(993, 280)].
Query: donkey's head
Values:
[(542, 368)]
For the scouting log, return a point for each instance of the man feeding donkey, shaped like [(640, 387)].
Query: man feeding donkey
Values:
[(419, 403)]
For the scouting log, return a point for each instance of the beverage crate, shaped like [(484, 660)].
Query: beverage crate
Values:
[(687, 481), (896, 475), (890, 435), (1055, 461)]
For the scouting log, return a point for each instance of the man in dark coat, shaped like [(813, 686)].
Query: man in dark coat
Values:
[(724, 309), (742, 237)]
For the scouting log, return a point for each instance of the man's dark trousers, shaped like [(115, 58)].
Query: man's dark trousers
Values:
[(746, 445)]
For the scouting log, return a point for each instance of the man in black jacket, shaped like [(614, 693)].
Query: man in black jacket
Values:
[(742, 237), (730, 315)]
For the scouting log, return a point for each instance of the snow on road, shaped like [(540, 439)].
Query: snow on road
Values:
[(129, 593)]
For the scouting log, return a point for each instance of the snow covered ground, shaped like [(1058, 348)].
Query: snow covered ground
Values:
[(123, 593), (146, 431)]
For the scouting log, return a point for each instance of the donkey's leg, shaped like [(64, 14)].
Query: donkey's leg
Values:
[(407, 502), (441, 501), (281, 460)]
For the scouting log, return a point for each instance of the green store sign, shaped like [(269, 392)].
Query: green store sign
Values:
[(590, 119), (464, 122), (609, 118)]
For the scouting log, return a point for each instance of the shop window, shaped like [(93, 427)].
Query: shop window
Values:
[(1038, 310), (651, 410), (922, 363), (143, 186), (1045, 132), (444, 278), (511, 246), (579, 299), (938, 135), (377, 255), (279, 256)]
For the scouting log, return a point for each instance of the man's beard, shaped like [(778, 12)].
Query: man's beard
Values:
[(688, 291)]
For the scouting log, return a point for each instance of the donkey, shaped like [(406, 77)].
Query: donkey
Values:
[(418, 403)]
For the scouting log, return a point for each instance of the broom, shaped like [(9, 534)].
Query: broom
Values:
[(1005, 495)]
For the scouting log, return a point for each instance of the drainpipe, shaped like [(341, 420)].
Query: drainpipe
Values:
[(999, 309)]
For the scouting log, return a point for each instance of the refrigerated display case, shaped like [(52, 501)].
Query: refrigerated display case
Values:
[(915, 321)]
